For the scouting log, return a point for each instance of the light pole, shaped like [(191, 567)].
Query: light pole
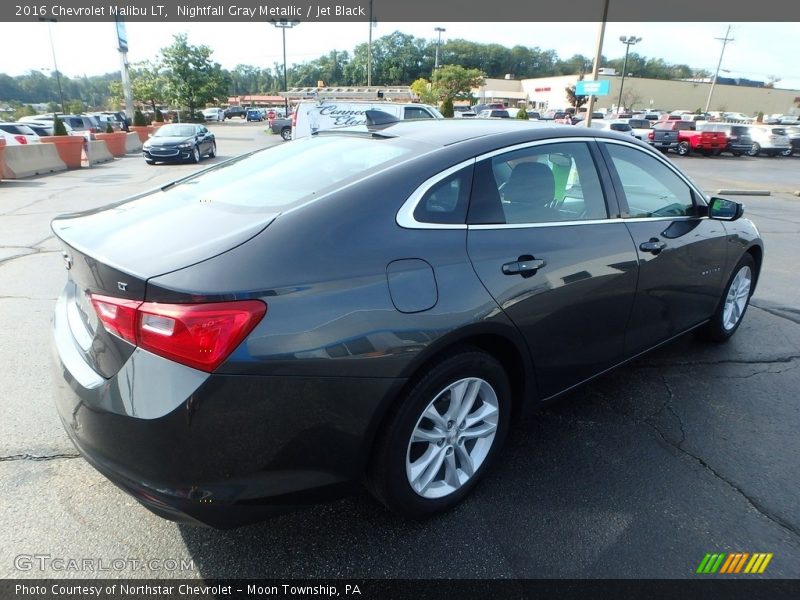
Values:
[(440, 31), (628, 41), (55, 64), (283, 25), (724, 41)]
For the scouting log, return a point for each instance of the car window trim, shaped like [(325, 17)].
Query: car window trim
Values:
[(405, 216)]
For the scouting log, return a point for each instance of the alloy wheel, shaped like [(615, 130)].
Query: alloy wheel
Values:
[(736, 300), (452, 438)]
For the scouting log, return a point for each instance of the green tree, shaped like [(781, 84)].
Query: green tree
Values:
[(191, 78), (447, 108), (423, 89), (148, 83), (454, 82), (58, 126), (75, 106), (138, 119), (25, 110)]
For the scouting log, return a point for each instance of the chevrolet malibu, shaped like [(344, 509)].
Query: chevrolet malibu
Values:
[(179, 142), (375, 305)]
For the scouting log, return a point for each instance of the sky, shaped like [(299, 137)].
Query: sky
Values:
[(759, 50)]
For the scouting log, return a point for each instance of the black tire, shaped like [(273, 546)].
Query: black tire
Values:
[(149, 162), (737, 153), (286, 134), (387, 476), (213, 152), (683, 148), (787, 152), (195, 158), (755, 149), (707, 152), (716, 330)]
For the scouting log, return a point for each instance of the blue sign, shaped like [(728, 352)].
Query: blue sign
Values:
[(593, 88)]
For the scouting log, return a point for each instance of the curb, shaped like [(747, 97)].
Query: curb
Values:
[(746, 192)]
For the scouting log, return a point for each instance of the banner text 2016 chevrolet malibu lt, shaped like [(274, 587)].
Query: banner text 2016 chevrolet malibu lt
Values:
[(376, 305)]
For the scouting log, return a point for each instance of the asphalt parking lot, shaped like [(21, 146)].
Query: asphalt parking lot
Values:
[(693, 449)]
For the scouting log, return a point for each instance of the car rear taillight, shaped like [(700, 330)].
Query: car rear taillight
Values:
[(21, 139), (117, 315), (651, 135), (200, 336)]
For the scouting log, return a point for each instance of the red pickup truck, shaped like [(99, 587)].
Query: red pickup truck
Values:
[(682, 137)]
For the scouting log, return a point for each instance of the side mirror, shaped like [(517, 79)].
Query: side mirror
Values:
[(725, 210)]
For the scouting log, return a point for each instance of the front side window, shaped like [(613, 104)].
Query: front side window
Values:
[(540, 184), (651, 189)]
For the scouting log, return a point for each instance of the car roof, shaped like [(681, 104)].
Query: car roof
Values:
[(446, 132)]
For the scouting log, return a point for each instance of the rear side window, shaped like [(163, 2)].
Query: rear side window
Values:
[(447, 200), (620, 127), (413, 112)]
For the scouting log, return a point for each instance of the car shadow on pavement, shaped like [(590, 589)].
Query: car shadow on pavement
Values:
[(637, 474)]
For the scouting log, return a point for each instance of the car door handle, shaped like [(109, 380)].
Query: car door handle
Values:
[(654, 245), (524, 265)]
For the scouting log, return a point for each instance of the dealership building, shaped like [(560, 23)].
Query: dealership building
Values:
[(640, 93)]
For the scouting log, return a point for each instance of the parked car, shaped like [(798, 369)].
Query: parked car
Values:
[(794, 140), (739, 140), (737, 117), (618, 125), (20, 133), (213, 114), (254, 114), (110, 118), (494, 113), (81, 123), (282, 127), (45, 128), (681, 136), (640, 128), (461, 112), (769, 139), (179, 142), (235, 111), (490, 106), (265, 334)]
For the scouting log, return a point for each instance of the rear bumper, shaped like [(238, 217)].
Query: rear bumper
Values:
[(219, 450)]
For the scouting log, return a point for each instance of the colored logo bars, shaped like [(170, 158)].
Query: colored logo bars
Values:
[(734, 563)]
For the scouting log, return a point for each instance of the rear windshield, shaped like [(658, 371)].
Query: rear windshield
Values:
[(17, 129), (285, 175), (620, 127), (639, 123)]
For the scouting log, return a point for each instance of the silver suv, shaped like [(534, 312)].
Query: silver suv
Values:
[(769, 139)]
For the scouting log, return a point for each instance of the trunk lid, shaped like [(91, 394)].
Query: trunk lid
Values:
[(114, 251)]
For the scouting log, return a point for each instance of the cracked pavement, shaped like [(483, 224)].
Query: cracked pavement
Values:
[(691, 449)]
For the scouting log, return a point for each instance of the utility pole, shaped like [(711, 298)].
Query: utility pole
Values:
[(438, 30), (283, 25), (369, 48), (596, 68), (122, 46), (55, 64), (724, 41), (628, 41)]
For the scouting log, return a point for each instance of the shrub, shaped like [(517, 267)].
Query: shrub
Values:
[(522, 114), (58, 126), (138, 119), (109, 128), (159, 116), (447, 108)]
